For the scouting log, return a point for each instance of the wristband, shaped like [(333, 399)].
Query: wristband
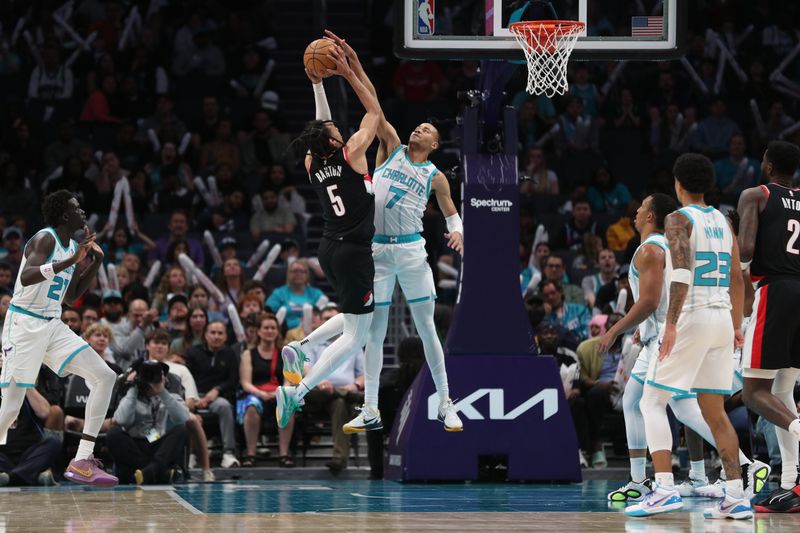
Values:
[(745, 264), (48, 271), (454, 224), (681, 275)]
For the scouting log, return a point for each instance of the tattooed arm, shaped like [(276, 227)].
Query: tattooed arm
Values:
[(678, 230)]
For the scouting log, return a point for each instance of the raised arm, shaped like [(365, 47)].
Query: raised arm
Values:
[(649, 263), (751, 203), (678, 231), (36, 270), (455, 228), (387, 135)]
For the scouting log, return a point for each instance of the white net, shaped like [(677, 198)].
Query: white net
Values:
[(547, 45)]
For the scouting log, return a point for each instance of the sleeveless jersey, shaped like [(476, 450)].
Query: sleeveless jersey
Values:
[(711, 244), (653, 325), (44, 298), (777, 250), (348, 207), (402, 189)]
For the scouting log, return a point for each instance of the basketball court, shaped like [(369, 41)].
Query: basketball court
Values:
[(350, 506)]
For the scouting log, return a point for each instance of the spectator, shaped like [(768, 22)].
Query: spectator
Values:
[(203, 59), (273, 219), (260, 374), (5, 302), (30, 455), (150, 434), (299, 333), (580, 224), (13, 248), (169, 161), (178, 229), (534, 267), (713, 134), (100, 337), (627, 113), (173, 195), (538, 179), (620, 232), (220, 151), (337, 395), (554, 270), (288, 197), (72, 318), (530, 125), (607, 195), (164, 121), (597, 326), (255, 288), (777, 122), (592, 284), (573, 317), (192, 335), (73, 179), (158, 350), (231, 281), (51, 80), (549, 343), (585, 90), (250, 304), (609, 293), (597, 378), (122, 243), (89, 316), (261, 148), (199, 297), (736, 172), (216, 373), (6, 279), (177, 315), (589, 257), (232, 216), (576, 133), (131, 331), (133, 264), (110, 173), (98, 106), (295, 293)]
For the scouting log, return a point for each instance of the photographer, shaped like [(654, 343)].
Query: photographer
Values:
[(151, 430)]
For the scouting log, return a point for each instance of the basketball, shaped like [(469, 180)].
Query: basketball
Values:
[(317, 57)]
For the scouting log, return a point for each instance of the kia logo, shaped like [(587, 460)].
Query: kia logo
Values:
[(497, 409)]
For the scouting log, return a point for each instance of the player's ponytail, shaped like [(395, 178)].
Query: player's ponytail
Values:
[(315, 139)]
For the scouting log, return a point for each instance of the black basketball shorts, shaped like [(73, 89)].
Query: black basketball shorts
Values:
[(772, 340), (351, 271)]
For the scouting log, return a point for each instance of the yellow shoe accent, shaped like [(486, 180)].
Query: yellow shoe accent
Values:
[(292, 377), (139, 477), (453, 430), (347, 430)]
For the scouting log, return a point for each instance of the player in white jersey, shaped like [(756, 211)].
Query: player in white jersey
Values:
[(703, 324), (33, 333), (649, 280), (403, 180)]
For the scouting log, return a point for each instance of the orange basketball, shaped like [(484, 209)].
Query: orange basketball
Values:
[(316, 58)]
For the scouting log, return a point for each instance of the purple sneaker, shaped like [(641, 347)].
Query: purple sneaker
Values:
[(89, 471)]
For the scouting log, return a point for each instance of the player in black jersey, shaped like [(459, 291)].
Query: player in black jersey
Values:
[(339, 174), (769, 242)]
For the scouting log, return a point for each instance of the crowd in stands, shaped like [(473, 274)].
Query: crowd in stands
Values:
[(93, 99)]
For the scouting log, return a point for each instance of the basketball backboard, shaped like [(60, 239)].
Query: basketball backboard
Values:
[(478, 29)]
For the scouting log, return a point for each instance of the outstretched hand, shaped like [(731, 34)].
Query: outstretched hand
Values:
[(342, 67), (313, 77), (349, 53), (455, 240), (85, 246)]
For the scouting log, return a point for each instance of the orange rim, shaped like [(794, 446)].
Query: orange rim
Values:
[(537, 33)]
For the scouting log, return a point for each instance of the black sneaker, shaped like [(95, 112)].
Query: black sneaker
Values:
[(780, 501)]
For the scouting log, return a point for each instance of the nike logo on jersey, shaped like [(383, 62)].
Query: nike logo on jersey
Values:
[(368, 299)]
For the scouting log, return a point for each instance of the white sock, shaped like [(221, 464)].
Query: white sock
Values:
[(85, 449), (697, 470), (356, 329), (794, 428), (638, 473), (373, 356), (734, 488), (426, 329), (783, 389), (333, 327), (666, 480)]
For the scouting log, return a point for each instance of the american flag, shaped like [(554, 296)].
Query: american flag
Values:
[(647, 26)]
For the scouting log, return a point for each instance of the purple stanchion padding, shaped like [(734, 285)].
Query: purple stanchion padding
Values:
[(489, 316), (510, 405)]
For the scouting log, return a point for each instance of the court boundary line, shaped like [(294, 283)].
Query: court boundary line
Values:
[(183, 503)]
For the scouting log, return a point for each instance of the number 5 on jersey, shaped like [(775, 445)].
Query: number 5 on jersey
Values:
[(336, 201)]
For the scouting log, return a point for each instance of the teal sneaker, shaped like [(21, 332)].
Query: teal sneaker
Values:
[(287, 404), (293, 362)]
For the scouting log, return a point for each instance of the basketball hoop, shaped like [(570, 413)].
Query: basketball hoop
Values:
[(547, 45)]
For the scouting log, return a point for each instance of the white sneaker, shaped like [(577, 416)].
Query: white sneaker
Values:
[(757, 478), (716, 490), (728, 507), (208, 476), (659, 500), (448, 415), (631, 492), (192, 461), (582, 459), (229, 460), (368, 419), (690, 486)]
